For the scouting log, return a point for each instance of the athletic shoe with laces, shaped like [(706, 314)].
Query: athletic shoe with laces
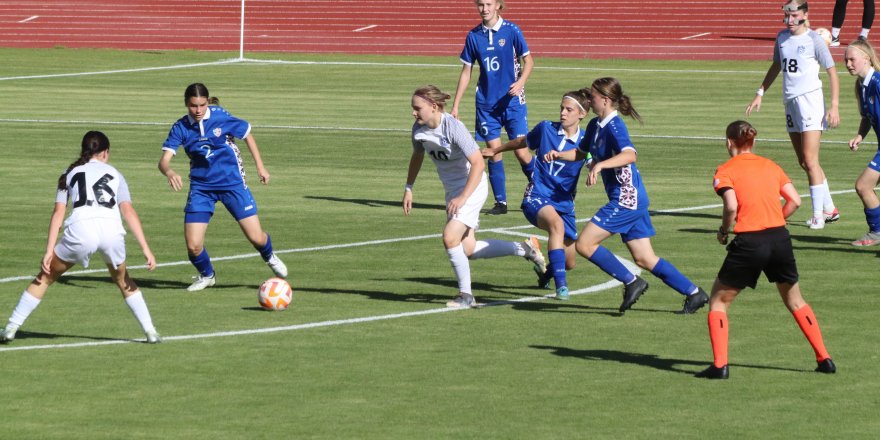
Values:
[(694, 302), (562, 293), (277, 266), (816, 222), (533, 253), (462, 301), (201, 283), (714, 372), (498, 209), (831, 217), (826, 366), (835, 41), (153, 337), (544, 278), (869, 239), (8, 334), (632, 292)]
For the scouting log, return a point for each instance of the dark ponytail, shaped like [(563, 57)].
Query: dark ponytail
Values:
[(93, 143), (742, 134), (611, 89), (199, 90)]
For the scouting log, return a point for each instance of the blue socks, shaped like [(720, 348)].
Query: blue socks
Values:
[(611, 265), (673, 278), (873, 218), (498, 180), (528, 169), (557, 265), (266, 250), (202, 262)]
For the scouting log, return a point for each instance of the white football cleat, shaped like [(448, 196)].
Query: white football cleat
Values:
[(153, 337), (277, 266), (8, 334), (201, 283), (533, 253)]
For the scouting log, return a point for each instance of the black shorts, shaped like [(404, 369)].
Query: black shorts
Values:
[(750, 253)]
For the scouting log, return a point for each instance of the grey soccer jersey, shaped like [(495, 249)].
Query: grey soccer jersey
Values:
[(800, 57), (449, 146)]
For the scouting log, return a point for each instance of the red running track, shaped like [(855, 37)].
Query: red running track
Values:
[(652, 29)]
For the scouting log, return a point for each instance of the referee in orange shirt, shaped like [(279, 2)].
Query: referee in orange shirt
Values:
[(750, 186)]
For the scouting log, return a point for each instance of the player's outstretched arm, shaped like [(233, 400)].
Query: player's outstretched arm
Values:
[(415, 164), (174, 179), (258, 159), (55, 222)]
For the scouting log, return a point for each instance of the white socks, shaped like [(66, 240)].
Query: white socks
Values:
[(497, 248), (817, 195), (462, 268), (139, 308), (827, 203), (26, 305)]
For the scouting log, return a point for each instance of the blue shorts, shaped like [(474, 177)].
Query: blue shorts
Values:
[(515, 121), (874, 164), (530, 207), (631, 224), (200, 204)]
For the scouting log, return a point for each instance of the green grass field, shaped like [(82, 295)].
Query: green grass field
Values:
[(361, 354)]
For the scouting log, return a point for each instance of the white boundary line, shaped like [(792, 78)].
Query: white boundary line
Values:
[(32, 17), (365, 28), (696, 36)]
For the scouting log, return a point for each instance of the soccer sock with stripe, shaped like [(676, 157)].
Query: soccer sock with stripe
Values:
[(557, 265), (872, 216), (806, 320), (673, 278), (528, 168), (817, 194), (496, 248), (140, 311), (718, 334), (202, 263), (462, 268), (611, 265), (266, 251), (26, 305), (497, 180), (827, 203)]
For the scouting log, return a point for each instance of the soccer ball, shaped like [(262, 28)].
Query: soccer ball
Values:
[(275, 294), (825, 34)]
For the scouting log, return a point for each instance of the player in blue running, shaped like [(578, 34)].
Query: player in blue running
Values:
[(548, 202), (499, 48), (861, 62), (207, 135), (614, 157)]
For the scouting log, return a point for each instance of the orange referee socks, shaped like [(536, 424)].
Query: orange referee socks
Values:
[(806, 320), (718, 334)]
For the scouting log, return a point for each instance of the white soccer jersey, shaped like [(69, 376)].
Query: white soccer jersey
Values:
[(449, 146), (94, 190), (800, 57)]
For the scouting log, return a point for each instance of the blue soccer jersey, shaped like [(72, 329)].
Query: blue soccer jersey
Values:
[(605, 139), (498, 51), (869, 100), (556, 180), (215, 161)]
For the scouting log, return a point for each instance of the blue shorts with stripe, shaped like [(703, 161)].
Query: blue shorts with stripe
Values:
[(631, 224), (531, 205), (200, 204)]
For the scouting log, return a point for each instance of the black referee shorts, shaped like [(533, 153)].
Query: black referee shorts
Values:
[(750, 253)]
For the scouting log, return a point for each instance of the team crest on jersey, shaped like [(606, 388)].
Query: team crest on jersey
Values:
[(501, 42), (218, 131), (802, 50)]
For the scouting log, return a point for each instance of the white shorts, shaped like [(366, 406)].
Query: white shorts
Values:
[(805, 112), (83, 238), (469, 214)]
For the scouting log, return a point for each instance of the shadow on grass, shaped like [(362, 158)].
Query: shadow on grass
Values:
[(376, 203), (24, 334), (81, 281), (647, 360), (683, 214)]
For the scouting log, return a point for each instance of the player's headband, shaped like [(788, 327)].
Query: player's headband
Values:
[(792, 7), (575, 101), (430, 101)]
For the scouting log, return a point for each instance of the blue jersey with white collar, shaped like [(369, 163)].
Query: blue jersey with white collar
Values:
[(215, 160), (498, 51), (869, 101), (604, 140), (556, 180)]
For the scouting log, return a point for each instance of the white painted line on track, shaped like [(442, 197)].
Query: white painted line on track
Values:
[(31, 18), (365, 28), (696, 36)]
